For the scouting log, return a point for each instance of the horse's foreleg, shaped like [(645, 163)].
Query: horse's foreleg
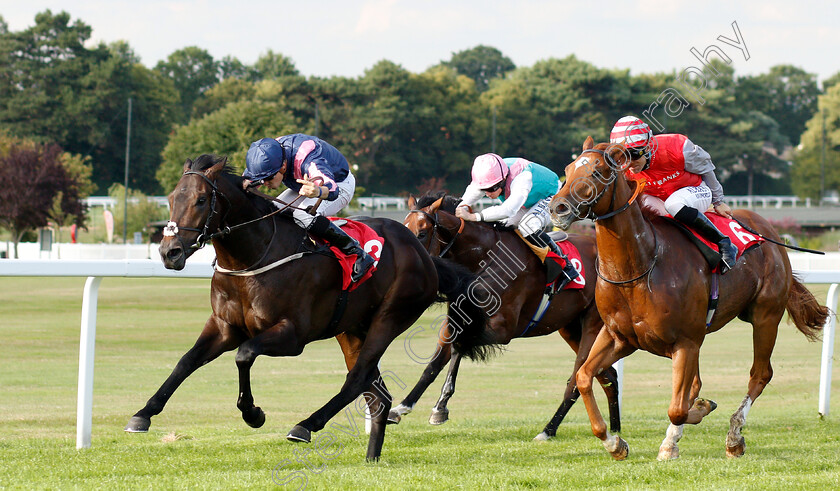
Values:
[(765, 329), (442, 356), (212, 342), (440, 413), (701, 407), (684, 372), (279, 340), (606, 351)]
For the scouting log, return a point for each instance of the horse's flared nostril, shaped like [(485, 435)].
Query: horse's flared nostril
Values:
[(174, 253), (561, 209)]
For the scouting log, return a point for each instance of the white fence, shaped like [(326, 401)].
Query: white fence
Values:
[(95, 270)]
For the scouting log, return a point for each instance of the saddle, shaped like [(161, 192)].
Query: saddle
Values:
[(742, 239), (569, 249)]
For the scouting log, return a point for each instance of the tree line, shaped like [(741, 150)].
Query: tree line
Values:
[(402, 131)]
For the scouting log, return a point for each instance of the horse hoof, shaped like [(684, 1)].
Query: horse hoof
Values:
[(254, 417), (737, 450), (542, 437), (621, 451), (668, 453), (138, 424), (299, 434), (439, 417), (394, 417), (705, 405)]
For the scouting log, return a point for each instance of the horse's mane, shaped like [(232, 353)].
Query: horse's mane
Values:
[(208, 160), (449, 202)]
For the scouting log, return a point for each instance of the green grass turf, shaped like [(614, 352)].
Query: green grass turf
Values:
[(145, 325)]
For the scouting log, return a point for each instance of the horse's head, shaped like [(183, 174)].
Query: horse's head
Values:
[(587, 180), (424, 220), (194, 206)]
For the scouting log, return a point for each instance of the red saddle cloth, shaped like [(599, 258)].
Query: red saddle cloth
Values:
[(573, 254), (369, 240), (742, 239)]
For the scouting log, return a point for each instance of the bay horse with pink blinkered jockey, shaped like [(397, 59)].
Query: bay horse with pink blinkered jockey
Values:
[(523, 309), (654, 289), (274, 291)]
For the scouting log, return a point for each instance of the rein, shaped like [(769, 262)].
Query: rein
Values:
[(204, 236), (640, 185), (646, 273)]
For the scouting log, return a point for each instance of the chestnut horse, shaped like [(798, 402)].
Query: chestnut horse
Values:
[(483, 248), (653, 293), (267, 307)]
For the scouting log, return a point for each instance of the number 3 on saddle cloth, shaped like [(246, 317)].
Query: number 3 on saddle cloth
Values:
[(569, 249), (742, 239), (368, 239)]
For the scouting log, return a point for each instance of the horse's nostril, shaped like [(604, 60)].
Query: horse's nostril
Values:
[(561, 209), (174, 253)]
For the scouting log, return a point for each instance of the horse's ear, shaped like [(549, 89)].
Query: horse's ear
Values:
[(412, 202), (213, 172), (435, 205), (187, 164), (589, 143)]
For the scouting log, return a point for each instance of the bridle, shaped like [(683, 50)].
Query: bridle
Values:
[(436, 235), (612, 183), (611, 179), (204, 235)]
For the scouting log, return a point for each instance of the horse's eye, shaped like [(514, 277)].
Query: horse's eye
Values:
[(421, 234), (201, 200)]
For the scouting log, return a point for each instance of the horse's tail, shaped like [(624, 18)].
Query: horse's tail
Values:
[(805, 311), (466, 318)]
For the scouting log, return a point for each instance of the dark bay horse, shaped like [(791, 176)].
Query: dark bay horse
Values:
[(276, 312), (485, 248), (653, 293)]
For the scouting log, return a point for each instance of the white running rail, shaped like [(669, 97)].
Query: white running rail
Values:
[(95, 270)]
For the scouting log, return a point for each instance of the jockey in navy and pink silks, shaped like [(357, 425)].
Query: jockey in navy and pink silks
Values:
[(679, 173), (526, 189), (312, 168)]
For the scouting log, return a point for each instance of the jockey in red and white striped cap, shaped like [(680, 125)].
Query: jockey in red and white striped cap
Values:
[(632, 132), (681, 174)]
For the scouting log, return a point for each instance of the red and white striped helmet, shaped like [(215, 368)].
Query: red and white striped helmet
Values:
[(632, 132)]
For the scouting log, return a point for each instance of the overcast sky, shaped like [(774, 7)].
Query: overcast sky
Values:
[(333, 37)]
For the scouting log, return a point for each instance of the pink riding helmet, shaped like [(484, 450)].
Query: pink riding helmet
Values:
[(488, 170)]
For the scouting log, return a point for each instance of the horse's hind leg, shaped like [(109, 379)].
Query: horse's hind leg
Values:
[(385, 326), (210, 344), (440, 413), (441, 358), (765, 330), (571, 394), (377, 397)]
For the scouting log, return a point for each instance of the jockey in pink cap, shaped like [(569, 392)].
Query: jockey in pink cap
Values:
[(679, 173), (525, 188)]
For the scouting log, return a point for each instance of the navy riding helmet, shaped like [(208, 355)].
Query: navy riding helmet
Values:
[(264, 159)]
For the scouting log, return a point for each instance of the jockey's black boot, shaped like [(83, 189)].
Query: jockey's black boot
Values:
[(699, 222), (322, 227), (552, 269)]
